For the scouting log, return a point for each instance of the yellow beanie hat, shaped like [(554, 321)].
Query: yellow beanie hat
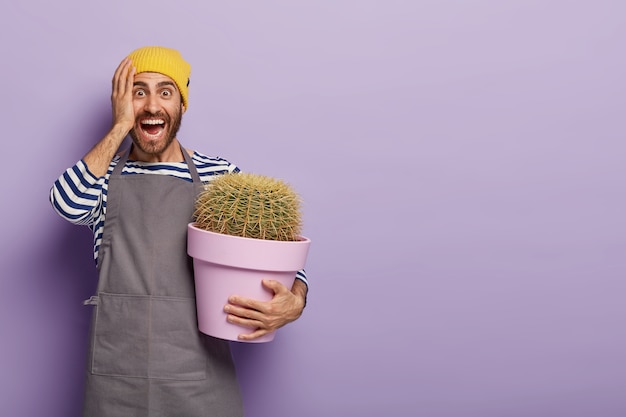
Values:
[(165, 61)]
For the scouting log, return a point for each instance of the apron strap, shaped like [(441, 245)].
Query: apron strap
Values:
[(120, 164), (195, 177)]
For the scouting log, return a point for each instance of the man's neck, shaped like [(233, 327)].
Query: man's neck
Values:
[(171, 154)]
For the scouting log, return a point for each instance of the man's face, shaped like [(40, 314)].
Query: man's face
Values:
[(158, 112)]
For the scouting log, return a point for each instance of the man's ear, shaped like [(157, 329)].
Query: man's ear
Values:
[(182, 108)]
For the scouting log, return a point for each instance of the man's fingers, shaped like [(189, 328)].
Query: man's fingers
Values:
[(118, 74), (246, 322), (123, 78), (243, 312), (260, 328), (130, 79), (246, 302), (274, 286), (254, 335)]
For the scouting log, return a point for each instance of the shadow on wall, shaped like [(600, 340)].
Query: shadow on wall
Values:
[(69, 252), (58, 322), (257, 371)]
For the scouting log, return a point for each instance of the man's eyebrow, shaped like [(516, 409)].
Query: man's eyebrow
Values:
[(159, 85), (166, 83)]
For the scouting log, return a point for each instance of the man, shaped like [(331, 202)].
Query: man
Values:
[(147, 357)]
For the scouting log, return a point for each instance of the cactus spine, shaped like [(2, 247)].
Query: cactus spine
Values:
[(249, 205)]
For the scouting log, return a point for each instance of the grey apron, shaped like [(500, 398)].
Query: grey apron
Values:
[(147, 357)]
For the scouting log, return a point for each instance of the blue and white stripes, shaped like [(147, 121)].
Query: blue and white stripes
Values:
[(81, 198)]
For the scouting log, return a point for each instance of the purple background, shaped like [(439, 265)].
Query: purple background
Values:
[(462, 168)]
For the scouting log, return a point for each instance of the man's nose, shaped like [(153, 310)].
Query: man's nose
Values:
[(152, 104)]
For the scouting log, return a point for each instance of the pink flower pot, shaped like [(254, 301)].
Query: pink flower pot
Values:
[(225, 265)]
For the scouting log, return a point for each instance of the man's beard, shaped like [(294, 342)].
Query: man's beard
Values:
[(152, 147)]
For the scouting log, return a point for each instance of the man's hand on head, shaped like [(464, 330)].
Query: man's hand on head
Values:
[(122, 97)]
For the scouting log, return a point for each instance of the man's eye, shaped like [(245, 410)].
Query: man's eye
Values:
[(140, 93), (166, 93)]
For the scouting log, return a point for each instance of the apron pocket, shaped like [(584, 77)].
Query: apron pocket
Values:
[(147, 337)]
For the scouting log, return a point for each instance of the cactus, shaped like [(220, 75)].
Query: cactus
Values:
[(249, 205)]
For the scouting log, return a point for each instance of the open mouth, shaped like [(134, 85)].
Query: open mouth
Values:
[(153, 127)]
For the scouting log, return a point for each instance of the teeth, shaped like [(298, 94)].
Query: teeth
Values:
[(152, 122)]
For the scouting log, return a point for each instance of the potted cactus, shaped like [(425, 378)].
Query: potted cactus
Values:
[(246, 228)]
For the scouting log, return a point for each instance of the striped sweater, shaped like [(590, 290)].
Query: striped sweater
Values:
[(81, 198)]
